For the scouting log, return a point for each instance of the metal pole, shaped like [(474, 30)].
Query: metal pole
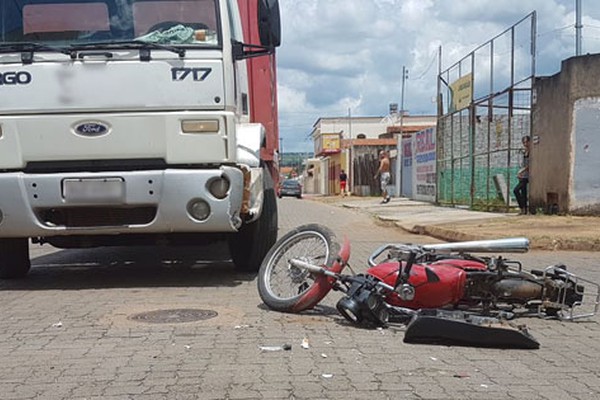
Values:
[(438, 130), (350, 167), (472, 134), (578, 27), (533, 45), (404, 78), (399, 141)]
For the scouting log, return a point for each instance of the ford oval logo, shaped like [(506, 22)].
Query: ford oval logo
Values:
[(91, 129)]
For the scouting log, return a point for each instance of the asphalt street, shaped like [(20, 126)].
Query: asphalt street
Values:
[(81, 326)]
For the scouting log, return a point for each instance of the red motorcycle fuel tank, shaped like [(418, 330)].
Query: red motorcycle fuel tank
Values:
[(442, 285)]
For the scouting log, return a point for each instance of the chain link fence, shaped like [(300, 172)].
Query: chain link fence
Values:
[(484, 111)]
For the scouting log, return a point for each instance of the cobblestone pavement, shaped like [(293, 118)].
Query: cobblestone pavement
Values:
[(66, 333)]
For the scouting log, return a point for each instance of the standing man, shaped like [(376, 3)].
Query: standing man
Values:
[(384, 175), (343, 180), (520, 190)]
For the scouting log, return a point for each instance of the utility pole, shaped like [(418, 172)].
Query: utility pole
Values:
[(578, 27), (399, 149), (404, 78), (350, 153)]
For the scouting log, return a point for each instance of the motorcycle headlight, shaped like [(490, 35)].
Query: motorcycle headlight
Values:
[(350, 309)]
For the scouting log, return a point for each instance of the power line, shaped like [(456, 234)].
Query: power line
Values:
[(556, 30), (433, 57)]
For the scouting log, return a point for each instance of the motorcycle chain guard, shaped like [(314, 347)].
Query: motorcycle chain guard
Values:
[(463, 329)]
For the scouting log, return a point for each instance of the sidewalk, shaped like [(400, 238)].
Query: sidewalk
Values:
[(547, 232)]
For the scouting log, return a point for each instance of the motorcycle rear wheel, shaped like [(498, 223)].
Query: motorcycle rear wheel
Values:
[(283, 287)]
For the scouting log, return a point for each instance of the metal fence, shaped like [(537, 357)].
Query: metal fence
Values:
[(484, 110)]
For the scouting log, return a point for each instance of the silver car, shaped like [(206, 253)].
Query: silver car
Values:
[(290, 187)]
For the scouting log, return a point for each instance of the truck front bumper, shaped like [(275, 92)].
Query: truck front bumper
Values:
[(132, 202)]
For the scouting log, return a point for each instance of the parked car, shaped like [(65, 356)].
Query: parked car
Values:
[(290, 187)]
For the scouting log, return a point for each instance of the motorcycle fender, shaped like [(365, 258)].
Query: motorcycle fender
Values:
[(323, 284)]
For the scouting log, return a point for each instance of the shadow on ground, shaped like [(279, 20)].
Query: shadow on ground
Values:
[(131, 267)]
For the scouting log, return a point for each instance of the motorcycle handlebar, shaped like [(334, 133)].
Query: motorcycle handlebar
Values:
[(406, 248), (509, 245)]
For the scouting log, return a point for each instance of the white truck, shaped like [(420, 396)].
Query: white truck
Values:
[(137, 122)]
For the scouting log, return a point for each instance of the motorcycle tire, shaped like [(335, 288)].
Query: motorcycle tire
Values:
[(283, 287)]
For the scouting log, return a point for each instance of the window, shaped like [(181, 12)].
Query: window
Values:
[(64, 21), (72, 22), (148, 15)]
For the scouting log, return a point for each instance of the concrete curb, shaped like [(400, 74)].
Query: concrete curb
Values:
[(537, 243), (446, 224)]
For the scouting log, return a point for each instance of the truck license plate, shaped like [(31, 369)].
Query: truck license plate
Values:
[(96, 190)]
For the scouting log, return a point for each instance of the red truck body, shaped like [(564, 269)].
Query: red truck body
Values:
[(262, 82)]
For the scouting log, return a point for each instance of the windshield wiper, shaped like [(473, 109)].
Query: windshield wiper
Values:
[(28, 48), (142, 45)]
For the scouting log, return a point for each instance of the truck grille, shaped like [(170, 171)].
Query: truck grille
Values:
[(79, 217), (95, 165)]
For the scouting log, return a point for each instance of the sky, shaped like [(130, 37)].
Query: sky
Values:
[(346, 56)]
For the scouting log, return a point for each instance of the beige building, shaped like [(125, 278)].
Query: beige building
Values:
[(339, 140)]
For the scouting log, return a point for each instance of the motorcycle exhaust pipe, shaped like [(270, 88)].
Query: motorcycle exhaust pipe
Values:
[(510, 245)]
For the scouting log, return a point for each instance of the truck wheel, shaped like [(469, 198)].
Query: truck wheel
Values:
[(14, 258), (249, 246)]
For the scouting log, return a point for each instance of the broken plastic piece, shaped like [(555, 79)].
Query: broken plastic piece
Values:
[(464, 329), (276, 348)]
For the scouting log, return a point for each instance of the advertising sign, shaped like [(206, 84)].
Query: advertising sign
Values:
[(425, 166), (462, 93)]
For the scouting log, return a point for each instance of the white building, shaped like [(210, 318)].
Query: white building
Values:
[(337, 140)]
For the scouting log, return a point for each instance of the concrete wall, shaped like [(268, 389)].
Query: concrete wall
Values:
[(554, 164), (496, 145), (585, 194)]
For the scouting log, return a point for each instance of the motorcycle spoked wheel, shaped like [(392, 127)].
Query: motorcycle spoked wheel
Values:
[(286, 288)]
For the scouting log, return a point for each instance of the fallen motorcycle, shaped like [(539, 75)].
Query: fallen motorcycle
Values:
[(444, 293)]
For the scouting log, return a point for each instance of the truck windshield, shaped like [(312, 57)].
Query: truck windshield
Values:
[(86, 22)]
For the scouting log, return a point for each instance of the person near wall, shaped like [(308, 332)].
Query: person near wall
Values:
[(384, 175), (343, 181), (520, 190)]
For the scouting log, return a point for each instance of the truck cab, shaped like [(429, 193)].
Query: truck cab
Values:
[(136, 122)]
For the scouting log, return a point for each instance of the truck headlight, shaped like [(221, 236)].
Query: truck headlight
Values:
[(198, 209), (200, 126)]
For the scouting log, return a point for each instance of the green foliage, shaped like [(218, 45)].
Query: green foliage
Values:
[(294, 159)]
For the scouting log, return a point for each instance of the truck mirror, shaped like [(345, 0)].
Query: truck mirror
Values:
[(269, 23)]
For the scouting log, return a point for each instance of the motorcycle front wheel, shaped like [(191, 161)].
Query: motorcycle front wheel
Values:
[(286, 288)]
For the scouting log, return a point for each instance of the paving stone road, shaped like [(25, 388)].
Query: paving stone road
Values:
[(66, 332)]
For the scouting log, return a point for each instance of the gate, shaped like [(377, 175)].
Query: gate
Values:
[(484, 111)]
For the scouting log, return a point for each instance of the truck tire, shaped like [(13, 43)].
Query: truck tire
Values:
[(249, 246), (14, 258)]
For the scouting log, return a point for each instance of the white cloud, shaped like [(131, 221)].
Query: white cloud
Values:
[(349, 53)]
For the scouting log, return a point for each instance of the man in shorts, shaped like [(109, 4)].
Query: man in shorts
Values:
[(384, 175)]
